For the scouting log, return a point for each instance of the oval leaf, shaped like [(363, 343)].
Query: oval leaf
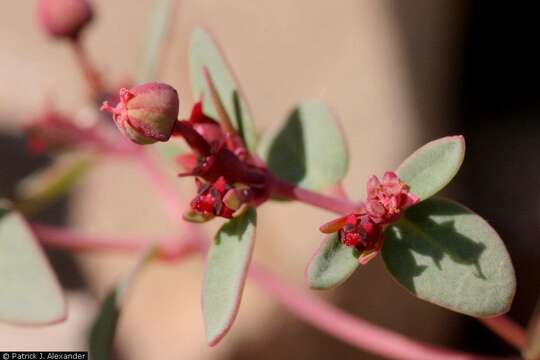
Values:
[(432, 167), (204, 53), (445, 254), (332, 264), (227, 264), (309, 149), (159, 25), (29, 290), (103, 330)]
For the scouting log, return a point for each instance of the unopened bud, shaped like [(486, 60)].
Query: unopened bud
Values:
[(64, 18), (147, 113)]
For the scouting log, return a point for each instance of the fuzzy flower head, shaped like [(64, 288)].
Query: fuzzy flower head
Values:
[(146, 113), (388, 199), (364, 229)]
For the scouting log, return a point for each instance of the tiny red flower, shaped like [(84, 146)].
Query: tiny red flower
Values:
[(146, 113), (64, 18), (364, 229), (219, 157), (216, 199)]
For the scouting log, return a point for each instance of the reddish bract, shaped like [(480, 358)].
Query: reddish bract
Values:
[(363, 229), (219, 157)]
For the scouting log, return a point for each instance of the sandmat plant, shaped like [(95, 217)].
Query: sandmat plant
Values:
[(437, 249)]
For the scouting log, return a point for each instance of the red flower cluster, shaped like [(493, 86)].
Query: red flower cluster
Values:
[(231, 175), (227, 175), (363, 229), (217, 199)]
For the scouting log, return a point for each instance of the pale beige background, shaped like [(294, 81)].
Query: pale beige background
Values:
[(348, 53)]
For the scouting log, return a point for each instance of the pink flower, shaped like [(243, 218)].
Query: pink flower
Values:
[(146, 113), (64, 18), (388, 199), (364, 229)]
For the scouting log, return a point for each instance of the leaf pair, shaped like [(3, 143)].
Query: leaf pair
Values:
[(439, 251), (309, 150)]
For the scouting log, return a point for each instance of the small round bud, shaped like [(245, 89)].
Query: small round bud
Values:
[(147, 113), (64, 18)]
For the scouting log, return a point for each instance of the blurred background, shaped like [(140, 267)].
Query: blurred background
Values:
[(398, 74)]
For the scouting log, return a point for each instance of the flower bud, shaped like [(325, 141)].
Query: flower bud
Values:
[(64, 18), (147, 113)]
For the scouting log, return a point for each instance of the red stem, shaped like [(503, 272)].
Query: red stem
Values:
[(169, 249), (90, 72), (293, 192), (350, 329)]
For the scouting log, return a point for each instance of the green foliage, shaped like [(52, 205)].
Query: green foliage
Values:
[(29, 291), (309, 149), (444, 253), (204, 53), (332, 264), (227, 264), (432, 167)]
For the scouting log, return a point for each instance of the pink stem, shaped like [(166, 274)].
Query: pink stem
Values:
[(507, 330), (321, 315), (334, 204), (90, 72), (169, 249), (348, 328)]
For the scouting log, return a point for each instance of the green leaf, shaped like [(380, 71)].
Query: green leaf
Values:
[(29, 291), (309, 149), (444, 253), (49, 184), (161, 20), (332, 264), (205, 53), (226, 268), (432, 167), (103, 330), (532, 348)]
